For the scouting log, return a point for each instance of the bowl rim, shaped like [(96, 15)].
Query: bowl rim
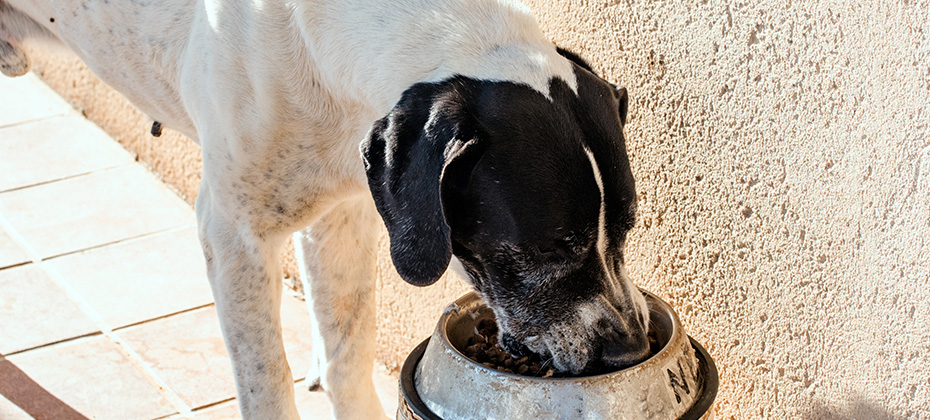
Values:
[(471, 297), (408, 387), (707, 372)]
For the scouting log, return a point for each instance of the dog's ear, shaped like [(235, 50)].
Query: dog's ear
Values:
[(624, 99), (620, 91), (411, 155), (575, 58)]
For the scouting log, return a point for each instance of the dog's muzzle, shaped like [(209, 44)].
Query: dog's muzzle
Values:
[(595, 337), (623, 349)]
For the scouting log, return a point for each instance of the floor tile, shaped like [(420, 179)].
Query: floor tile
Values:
[(141, 279), (91, 210), (298, 343), (55, 148), (315, 405), (34, 311), (10, 252), (225, 411), (188, 352), (95, 378), (386, 384), (27, 98), (310, 405)]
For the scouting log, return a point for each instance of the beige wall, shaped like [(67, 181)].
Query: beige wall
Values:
[(782, 157)]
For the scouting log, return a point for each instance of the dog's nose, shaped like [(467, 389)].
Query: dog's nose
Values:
[(621, 350), (514, 346)]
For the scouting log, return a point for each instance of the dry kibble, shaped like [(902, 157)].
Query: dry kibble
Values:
[(484, 348)]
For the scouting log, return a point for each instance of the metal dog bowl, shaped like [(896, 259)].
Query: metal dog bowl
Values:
[(439, 382)]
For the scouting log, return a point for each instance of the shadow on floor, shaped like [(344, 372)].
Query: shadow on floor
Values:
[(29, 396)]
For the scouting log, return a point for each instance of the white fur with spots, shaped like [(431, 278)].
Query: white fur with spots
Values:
[(279, 95)]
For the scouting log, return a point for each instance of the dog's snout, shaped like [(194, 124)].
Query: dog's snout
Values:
[(623, 349)]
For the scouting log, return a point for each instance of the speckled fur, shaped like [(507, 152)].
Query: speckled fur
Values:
[(279, 96)]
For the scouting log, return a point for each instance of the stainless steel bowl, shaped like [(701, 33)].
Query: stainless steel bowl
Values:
[(438, 382)]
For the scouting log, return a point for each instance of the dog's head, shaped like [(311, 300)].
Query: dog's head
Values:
[(533, 195)]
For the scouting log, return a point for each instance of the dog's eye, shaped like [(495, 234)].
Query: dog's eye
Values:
[(555, 253)]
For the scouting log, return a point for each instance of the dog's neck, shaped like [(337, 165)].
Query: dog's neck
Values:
[(379, 48)]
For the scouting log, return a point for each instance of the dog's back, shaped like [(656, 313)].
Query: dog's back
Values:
[(369, 52)]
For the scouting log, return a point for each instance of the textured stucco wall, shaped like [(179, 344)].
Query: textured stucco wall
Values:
[(782, 156)]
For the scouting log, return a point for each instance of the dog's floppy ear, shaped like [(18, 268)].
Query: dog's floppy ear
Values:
[(575, 58), (620, 91), (624, 99), (406, 157)]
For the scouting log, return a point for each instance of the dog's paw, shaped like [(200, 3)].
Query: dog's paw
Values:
[(313, 381), (314, 385), (13, 60)]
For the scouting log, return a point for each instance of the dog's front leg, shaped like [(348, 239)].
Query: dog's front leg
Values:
[(244, 274), (337, 257)]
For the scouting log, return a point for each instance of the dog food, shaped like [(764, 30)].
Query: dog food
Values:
[(483, 347)]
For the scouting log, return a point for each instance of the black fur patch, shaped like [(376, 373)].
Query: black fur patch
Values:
[(496, 173)]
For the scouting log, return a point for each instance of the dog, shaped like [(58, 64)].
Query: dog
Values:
[(478, 143)]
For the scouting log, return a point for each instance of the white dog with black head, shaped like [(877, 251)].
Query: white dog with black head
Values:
[(481, 144)]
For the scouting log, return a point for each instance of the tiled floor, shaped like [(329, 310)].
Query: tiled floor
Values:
[(105, 310)]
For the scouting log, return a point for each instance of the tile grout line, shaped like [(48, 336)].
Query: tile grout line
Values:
[(161, 317), (126, 240), (55, 343), (114, 329), (14, 265), (35, 120), (213, 404), (134, 358), (70, 177)]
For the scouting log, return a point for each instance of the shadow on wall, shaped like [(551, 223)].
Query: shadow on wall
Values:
[(857, 408)]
